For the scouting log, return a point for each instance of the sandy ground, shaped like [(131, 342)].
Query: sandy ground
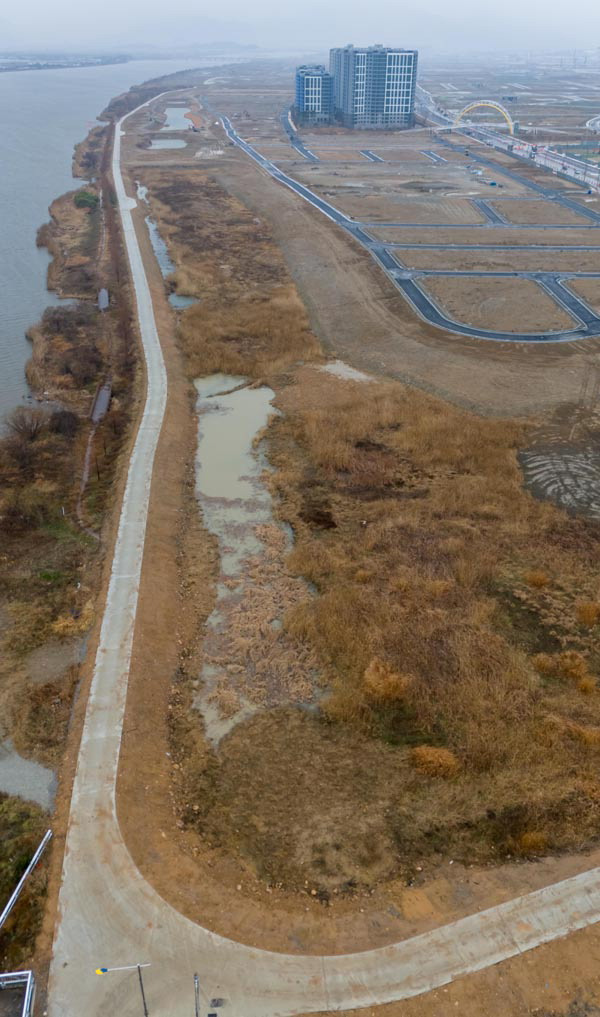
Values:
[(389, 208), (544, 212), (501, 304), (403, 181), (489, 235), (338, 155), (589, 289), (499, 261)]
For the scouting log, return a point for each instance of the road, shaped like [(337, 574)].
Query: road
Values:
[(583, 172), (295, 139), (586, 321), (109, 916)]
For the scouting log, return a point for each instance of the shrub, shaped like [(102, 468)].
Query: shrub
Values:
[(587, 685), (83, 364), (585, 733), (532, 842), (25, 508), (67, 320), (572, 665), (21, 453), (384, 685), (569, 665), (86, 199), (64, 422), (434, 762), (544, 664), (588, 613), (537, 579)]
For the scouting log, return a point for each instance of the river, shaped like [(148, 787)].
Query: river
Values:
[(43, 114)]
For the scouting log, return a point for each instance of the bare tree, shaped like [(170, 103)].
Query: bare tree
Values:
[(26, 423)]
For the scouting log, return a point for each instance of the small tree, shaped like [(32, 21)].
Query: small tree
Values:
[(64, 422), (86, 199), (27, 424)]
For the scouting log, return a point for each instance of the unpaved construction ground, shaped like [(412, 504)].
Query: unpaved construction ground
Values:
[(534, 212), (503, 261), (490, 299), (589, 289), (487, 235)]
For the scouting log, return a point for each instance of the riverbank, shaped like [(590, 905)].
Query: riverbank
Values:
[(52, 561)]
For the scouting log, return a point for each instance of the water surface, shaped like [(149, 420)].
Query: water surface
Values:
[(176, 119), (249, 662), (167, 143), (176, 300), (43, 115)]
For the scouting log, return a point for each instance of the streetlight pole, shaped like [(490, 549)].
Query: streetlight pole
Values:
[(130, 967), (139, 971)]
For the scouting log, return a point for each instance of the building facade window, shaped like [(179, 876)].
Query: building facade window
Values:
[(374, 87)]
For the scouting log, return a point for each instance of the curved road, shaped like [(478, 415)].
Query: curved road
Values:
[(109, 916), (588, 322)]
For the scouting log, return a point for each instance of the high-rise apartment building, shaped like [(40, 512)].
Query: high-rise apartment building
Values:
[(374, 86), (314, 95)]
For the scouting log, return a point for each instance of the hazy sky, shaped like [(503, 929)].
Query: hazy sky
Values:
[(509, 24)]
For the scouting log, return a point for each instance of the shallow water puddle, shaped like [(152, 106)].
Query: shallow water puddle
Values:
[(249, 662), (25, 778), (176, 119), (167, 143), (177, 300)]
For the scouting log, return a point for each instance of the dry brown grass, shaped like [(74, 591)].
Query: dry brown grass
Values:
[(439, 582), (437, 566), (537, 579), (533, 843), (256, 336), (251, 320), (588, 613), (571, 666), (434, 762), (383, 685)]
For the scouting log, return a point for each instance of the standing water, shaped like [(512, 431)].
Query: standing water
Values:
[(43, 115), (249, 661), (177, 119)]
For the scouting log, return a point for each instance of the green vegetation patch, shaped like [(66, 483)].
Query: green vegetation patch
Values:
[(86, 199)]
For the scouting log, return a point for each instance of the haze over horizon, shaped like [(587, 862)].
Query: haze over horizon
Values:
[(142, 26)]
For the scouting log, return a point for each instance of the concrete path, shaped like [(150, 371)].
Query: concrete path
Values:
[(109, 916)]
